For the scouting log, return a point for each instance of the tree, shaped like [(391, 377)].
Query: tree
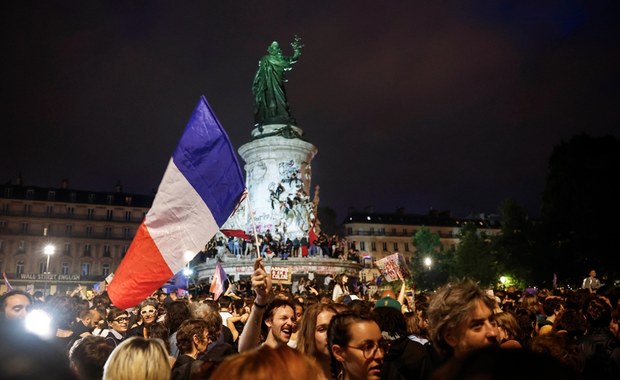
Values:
[(580, 207), (426, 244), (513, 247), (473, 257)]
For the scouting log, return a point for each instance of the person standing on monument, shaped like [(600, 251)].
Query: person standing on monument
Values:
[(268, 86), (591, 283)]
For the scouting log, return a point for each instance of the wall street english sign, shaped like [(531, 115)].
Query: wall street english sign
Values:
[(49, 277)]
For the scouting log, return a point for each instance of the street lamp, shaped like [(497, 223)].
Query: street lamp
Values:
[(503, 280), (428, 262), (187, 271), (48, 250)]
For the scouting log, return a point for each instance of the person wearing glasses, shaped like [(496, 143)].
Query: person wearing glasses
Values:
[(118, 321), (148, 316), (356, 346)]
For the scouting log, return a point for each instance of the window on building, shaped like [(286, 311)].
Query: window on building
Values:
[(27, 209), (70, 212), (42, 267), (107, 251), (349, 231), (67, 250), (90, 213), (65, 268), (363, 245), (126, 233), (87, 250), (108, 231), (72, 197), (373, 246), (1, 266), (1, 246), (85, 269), (89, 230), (384, 245), (110, 199), (49, 210), (128, 201), (19, 268), (406, 247), (393, 231), (2, 224), (29, 194), (395, 247), (124, 250), (21, 246), (128, 216), (105, 270), (5, 209), (24, 228), (91, 198), (109, 214), (8, 192), (404, 232), (51, 195), (68, 229)]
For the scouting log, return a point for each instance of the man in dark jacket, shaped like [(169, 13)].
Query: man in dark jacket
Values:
[(405, 358)]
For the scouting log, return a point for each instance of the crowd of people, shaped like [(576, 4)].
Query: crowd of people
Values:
[(458, 331), (272, 246)]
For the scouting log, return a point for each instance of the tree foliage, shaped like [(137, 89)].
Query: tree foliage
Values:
[(580, 207), (427, 244), (473, 256), (514, 246)]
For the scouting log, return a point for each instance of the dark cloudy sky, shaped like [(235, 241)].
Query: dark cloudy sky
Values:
[(416, 104)]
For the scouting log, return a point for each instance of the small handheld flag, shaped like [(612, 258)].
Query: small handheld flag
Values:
[(219, 282), (199, 190)]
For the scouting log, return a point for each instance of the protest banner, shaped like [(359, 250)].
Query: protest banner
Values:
[(393, 265), (281, 275)]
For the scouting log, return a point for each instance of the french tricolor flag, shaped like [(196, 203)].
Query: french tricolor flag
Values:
[(199, 191)]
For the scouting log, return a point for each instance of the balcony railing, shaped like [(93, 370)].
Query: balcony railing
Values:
[(65, 216)]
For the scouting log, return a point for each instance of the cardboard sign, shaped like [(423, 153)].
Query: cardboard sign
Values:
[(390, 266), (281, 275)]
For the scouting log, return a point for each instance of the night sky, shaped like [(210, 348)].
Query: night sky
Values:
[(416, 104)]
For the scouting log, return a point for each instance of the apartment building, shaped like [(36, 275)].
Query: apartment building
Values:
[(53, 239)]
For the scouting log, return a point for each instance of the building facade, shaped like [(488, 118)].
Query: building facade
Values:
[(86, 234), (377, 235)]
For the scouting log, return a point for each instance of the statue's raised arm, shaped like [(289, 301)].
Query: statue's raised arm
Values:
[(268, 88)]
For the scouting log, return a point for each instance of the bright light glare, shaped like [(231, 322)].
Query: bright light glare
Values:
[(39, 323), (188, 256), (49, 249), (188, 271), (428, 261), (503, 279)]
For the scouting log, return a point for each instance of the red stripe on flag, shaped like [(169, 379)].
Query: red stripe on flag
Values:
[(143, 269)]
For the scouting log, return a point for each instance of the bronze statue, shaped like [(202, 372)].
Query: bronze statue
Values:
[(268, 87)]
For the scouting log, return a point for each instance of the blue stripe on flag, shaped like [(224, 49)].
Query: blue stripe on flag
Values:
[(212, 169)]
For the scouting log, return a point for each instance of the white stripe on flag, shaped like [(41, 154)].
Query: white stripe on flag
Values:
[(179, 220)]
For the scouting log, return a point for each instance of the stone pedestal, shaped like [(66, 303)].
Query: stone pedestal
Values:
[(278, 175)]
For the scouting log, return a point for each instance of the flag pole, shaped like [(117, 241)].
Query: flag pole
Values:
[(253, 225)]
